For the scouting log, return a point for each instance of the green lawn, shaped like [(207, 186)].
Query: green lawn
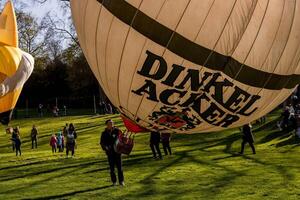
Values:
[(204, 166)]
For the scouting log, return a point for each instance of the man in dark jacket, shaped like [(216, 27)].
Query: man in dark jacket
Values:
[(247, 138), (108, 139), (154, 144), (34, 134)]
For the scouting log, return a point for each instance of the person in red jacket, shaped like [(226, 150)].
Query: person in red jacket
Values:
[(53, 143)]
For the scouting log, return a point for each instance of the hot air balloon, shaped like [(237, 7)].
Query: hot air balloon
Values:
[(190, 66), (15, 65)]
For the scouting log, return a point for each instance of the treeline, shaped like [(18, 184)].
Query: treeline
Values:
[(61, 69)]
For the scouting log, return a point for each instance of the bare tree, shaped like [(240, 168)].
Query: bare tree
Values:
[(31, 34)]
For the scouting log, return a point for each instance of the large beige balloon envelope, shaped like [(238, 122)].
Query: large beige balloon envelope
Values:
[(192, 66)]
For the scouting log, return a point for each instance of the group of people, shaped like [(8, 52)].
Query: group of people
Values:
[(290, 119), (15, 139), (52, 109), (57, 141), (155, 139), (106, 108)]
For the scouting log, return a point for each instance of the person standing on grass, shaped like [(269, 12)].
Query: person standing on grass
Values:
[(65, 130), (60, 142), (53, 143), (165, 140), (18, 145), (71, 140), (247, 138), (154, 144), (34, 134), (14, 135), (107, 141)]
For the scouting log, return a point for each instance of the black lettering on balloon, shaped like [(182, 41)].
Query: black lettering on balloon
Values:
[(237, 97), (198, 101), (212, 114), (193, 76), (149, 64), (149, 88), (228, 120), (244, 110), (166, 94), (218, 87), (173, 75), (191, 100)]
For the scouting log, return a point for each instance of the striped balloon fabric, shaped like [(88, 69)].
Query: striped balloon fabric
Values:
[(191, 66)]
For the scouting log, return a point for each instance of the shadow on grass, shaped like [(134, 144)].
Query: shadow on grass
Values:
[(40, 172), (71, 193)]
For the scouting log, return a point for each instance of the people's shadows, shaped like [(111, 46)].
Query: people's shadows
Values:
[(279, 168), (36, 173), (292, 140), (226, 157), (274, 135), (59, 196)]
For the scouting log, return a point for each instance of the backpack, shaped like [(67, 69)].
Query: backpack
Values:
[(124, 143), (59, 140)]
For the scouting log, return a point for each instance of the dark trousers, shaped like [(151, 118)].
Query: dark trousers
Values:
[(13, 145), (115, 160), (60, 148), (250, 144), (53, 148), (18, 150), (167, 148), (70, 147), (33, 143), (155, 149)]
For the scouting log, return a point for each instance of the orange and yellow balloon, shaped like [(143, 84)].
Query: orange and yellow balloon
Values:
[(15, 65)]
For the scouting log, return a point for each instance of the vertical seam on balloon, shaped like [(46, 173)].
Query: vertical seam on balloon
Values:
[(277, 31), (258, 31), (105, 57), (239, 42), (233, 80), (82, 25), (212, 50), (141, 56), (280, 57), (121, 59), (96, 51), (84, 32), (193, 40), (251, 13), (165, 49)]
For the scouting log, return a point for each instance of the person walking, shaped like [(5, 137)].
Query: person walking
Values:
[(247, 138), (165, 140), (53, 143), (34, 134), (107, 141), (154, 144)]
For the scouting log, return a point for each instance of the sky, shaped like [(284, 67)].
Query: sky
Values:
[(38, 10)]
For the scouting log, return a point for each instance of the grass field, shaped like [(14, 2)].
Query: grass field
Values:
[(204, 166)]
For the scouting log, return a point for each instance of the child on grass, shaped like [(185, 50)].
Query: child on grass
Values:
[(53, 143)]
